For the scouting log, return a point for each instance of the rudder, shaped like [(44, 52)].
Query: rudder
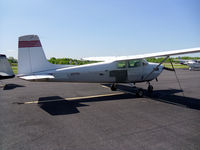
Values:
[(31, 57)]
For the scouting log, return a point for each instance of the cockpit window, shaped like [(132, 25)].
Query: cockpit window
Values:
[(134, 63), (121, 64)]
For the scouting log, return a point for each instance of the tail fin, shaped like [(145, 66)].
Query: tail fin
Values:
[(31, 57), (5, 68)]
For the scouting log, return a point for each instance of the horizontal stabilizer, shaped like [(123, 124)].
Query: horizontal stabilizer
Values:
[(4, 74), (37, 77)]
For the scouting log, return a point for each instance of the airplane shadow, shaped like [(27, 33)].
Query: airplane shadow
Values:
[(167, 96), (12, 86), (56, 105)]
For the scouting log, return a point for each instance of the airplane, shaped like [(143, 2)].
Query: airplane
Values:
[(193, 64), (33, 66), (6, 71), (183, 61)]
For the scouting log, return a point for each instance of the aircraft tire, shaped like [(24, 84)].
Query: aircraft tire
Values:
[(140, 93), (113, 87), (150, 89)]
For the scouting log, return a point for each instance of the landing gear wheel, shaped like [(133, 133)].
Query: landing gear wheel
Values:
[(140, 93), (150, 89), (113, 87)]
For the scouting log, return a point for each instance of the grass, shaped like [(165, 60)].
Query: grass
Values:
[(177, 66), (14, 68)]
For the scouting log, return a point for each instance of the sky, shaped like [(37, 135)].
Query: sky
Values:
[(86, 28)]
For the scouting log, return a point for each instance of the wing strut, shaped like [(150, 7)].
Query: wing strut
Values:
[(156, 68), (176, 77)]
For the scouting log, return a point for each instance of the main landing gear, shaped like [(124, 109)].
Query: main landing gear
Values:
[(139, 91), (113, 87)]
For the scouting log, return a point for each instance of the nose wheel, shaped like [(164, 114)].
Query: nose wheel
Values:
[(150, 88)]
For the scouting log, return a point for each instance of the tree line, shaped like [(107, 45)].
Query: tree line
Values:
[(70, 61)]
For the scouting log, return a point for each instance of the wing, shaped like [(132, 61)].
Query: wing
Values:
[(157, 54)]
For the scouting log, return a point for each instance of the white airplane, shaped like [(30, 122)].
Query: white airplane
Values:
[(33, 66), (5, 69), (193, 64)]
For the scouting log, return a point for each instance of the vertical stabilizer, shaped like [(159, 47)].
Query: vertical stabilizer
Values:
[(31, 57)]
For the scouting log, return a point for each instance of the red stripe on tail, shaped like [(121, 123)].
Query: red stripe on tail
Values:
[(35, 43)]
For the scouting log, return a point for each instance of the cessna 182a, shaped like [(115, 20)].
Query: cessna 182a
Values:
[(33, 66)]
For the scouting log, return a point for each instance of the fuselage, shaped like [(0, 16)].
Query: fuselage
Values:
[(131, 71), (33, 66)]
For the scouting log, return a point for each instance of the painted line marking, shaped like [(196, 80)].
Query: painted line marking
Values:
[(74, 98)]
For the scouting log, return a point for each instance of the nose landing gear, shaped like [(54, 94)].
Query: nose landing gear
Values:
[(150, 88)]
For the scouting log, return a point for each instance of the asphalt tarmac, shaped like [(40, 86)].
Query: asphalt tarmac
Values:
[(82, 116)]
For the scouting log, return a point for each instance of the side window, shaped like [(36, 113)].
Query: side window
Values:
[(134, 63), (121, 64), (144, 62)]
